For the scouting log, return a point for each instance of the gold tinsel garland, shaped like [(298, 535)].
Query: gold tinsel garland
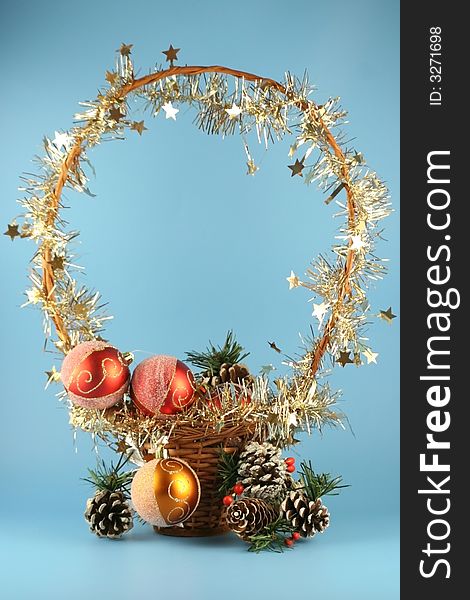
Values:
[(226, 101), (268, 416)]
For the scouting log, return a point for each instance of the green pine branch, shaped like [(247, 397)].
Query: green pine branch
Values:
[(227, 472), (316, 485), (112, 477), (215, 356), (272, 537)]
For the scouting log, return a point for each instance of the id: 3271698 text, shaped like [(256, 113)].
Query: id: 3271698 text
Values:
[(435, 66)]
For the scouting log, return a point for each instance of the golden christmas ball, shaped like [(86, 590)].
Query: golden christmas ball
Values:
[(165, 491)]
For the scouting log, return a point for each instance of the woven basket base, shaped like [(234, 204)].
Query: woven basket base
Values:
[(181, 532)]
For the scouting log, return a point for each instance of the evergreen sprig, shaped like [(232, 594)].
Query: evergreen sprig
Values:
[(272, 537), (228, 472), (316, 485), (112, 477), (215, 356)]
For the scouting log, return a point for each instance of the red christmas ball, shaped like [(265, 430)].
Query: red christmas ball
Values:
[(95, 375), (162, 385)]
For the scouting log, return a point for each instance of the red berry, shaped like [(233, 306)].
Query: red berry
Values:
[(227, 500), (290, 460), (238, 489), (296, 536), (289, 542), (290, 468)]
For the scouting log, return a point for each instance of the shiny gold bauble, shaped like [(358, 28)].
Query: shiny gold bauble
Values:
[(165, 492)]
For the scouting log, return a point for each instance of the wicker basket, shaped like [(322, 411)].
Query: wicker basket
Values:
[(200, 447)]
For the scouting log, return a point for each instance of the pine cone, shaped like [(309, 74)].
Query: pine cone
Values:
[(230, 373), (263, 472), (306, 516), (248, 516), (108, 514)]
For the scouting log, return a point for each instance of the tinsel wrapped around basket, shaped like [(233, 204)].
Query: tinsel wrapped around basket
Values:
[(201, 446)]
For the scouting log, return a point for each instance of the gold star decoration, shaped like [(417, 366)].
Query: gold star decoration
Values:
[(371, 356), (171, 54), (344, 358), (274, 347), (357, 243), (111, 77), (115, 114), (293, 280), (12, 231), (234, 111), (297, 168), (320, 310), (170, 111), (387, 315), (52, 376), (57, 263), (125, 49), (138, 126), (62, 139), (34, 296), (122, 447)]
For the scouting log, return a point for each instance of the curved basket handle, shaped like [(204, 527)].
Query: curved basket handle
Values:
[(72, 158)]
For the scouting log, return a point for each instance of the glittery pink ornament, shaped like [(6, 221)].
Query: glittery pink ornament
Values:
[(162, 385), (95, 375)]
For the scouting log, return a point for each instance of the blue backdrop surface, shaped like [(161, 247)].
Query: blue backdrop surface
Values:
[(184, 246)]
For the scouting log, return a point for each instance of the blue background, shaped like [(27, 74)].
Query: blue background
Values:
[(185, 246)]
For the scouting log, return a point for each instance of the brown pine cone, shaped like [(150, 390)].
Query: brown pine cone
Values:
[(306, 516), (108, 514), (249, 516), (231, 373), (263, 472)]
